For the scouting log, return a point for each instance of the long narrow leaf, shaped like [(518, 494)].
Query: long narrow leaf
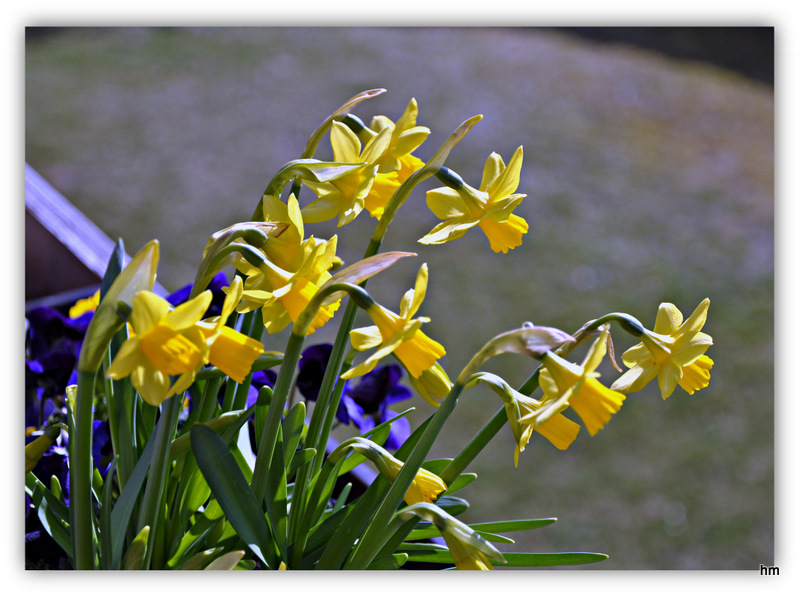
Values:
[(196, 535), (232, 492), (126, 502)]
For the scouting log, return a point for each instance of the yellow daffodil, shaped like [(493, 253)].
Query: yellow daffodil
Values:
[(432, 384), (559, 430), (285, 250), (164, 343), (229, 350), (85, 305), (425, 487), (468, 549), (673, 352), (345, 197), (398, 334), (406, 137), (282, 295), (569, 385), (489, 207)]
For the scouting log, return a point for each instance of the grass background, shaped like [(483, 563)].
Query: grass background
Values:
[(648, 180)]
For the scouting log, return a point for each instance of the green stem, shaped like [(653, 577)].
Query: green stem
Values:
[(150, 513), (269, 436), (370, 542), (80, 476)]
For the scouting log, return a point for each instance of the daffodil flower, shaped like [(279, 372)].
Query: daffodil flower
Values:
[(559, 430), (286, 249), (228, 349), (570, 385), (489, 207), (425, 487), (398, 334), (406, 137), (164, 343), (432, 384), (673, 351), (344, 197), (468, 549), (283, 294)]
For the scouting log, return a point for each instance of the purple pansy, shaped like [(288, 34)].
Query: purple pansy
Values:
[(217, 295), (366, 403)]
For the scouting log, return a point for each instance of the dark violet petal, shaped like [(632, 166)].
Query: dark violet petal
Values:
[(217, 295), (399, 432), (263, 378), (348, 410), (102, 449), (181, 295), (311, 369), (375, 387)]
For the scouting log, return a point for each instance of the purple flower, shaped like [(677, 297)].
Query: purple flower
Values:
[(365, 404), (311, 369), (102, 448), (218, 296)]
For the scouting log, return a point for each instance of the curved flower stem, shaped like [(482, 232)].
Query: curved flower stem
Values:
[(80, 475)]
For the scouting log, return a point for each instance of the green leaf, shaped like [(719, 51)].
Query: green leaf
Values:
[(116, 263), (292, 431), (226, 561), (201, 559), (140, 274), (127, 501), (554, 559), (196, 493), (51, 511), (134, 557), (452, 505), (425, 553), (300, 458), (460, 482), (105, 517), (232, 492), (195, 536), (392, 562), (517, 525), (276, 497)]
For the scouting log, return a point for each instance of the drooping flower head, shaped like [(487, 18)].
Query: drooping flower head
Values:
[(164, 343), (673, 352), (399, 334), (425, 487), (520, 410), (571, 385), (469, 550), (489, 207)]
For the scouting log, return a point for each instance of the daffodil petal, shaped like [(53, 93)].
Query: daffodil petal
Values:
[(508, 180), (668, 319), (148, 310), (445, 203)]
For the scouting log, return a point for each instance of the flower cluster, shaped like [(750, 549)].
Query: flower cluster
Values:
[(147, 402)]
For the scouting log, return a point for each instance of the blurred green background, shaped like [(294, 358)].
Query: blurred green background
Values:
[(649, 179)]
